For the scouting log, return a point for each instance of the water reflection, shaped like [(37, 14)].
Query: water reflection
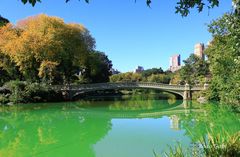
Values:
[(133, 127), (175, 122), (53, 132)]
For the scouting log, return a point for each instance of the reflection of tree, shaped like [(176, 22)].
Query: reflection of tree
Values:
[(51, 132), (72, 130), (213, 119), (138, 103), (171, 101)]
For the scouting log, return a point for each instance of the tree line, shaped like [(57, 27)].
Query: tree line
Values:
[(150, 75), (194, 72), (45, 49)]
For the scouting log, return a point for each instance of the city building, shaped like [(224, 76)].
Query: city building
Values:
[(199, 50), (175, 62), (139, 69), (114, 71)]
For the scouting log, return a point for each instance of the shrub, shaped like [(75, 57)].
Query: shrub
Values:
[(24, 92), (3, 99), (17, 91)]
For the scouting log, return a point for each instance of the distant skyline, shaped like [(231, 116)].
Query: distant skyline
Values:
[(131, 34)]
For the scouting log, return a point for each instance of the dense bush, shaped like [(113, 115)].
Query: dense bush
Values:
[(126, 77), (3, 99), (140, 77), (24, 92), (159, 78)]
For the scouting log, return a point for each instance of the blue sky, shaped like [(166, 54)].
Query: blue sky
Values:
[(129, 33)]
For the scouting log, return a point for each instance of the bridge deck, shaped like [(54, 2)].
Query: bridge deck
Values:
[(103, 86)]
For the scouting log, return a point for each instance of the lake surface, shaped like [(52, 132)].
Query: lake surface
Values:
[(134, 127)]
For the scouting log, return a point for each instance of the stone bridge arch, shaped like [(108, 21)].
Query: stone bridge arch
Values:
[(184, 91), (75, 94)]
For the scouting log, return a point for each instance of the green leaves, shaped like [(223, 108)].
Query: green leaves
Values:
[(97, 67), (148, 2), (3, 21), (194, 70), (33, 2), (223, 54), (183, 6), (24, 1)]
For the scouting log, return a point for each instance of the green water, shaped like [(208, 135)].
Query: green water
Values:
[(120, 128)]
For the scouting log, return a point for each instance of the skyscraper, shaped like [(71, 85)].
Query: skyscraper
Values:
[(138, 69), (199, 50), (175, 62)]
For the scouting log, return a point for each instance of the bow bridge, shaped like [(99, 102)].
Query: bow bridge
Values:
[(185, 91)]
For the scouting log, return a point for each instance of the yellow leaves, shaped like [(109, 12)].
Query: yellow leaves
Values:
[(39, 22), (77, 27), (47, 68), (42, 42), (7, 38)]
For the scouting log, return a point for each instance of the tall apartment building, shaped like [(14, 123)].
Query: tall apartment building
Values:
[(138, 69), (199, 50), (175, 62)]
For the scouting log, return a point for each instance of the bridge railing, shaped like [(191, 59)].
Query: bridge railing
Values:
[(161, 85), (197, 88), (124, 85)]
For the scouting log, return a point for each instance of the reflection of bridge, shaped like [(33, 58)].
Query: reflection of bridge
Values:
[(185, 91), (182, 108)]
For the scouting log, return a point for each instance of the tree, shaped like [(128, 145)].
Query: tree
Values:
[(42, 39), (8, 70), (97, 67), (176, 78), (149, 72), (183, 6), (3, 21), (159, 78), (126, 77), (224, 57), (195, 70), (44, 48)]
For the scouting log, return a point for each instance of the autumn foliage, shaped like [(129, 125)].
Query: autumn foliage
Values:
[(44, 47)]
